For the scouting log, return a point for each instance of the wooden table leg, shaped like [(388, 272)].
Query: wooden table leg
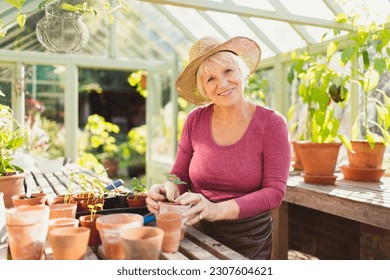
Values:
[(280, 232)]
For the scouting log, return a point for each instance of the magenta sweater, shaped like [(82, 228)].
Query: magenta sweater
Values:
[(253, 171)]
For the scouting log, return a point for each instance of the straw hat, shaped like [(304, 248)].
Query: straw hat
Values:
[(244, 47)]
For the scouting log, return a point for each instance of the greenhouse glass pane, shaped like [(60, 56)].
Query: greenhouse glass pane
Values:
[(308, 8), (193, 21), (280, 33), (258, 4), (370, 9)]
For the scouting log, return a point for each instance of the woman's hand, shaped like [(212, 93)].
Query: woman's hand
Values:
[(157, 192), (203, 209)]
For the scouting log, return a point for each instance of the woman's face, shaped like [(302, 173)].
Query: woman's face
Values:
[(223, 83)]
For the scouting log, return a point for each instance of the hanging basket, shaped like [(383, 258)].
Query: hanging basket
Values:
[(62, 31)]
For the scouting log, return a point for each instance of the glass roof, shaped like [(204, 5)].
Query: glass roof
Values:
[(160, 29)]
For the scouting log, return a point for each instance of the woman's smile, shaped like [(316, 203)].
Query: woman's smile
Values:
[(227, 92)]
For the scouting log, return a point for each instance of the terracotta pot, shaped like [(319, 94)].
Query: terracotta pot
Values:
[(64, 199), (170, 223), (27, 230), (69, 243), (62, 222), (143, 243), (319, 161), (110, 226), (138, 200), (64, 210), (365, 157), (94, 237), (362, 174), (11, 185), (35, 199), (297, 163), (168, 207), (83, 204)]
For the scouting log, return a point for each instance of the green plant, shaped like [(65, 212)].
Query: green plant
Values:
[(98, 137), (170, 184), (93, 208), (11, 138), (369, 51), (139, 185), (133, 150), (138, 79), (319, 87)]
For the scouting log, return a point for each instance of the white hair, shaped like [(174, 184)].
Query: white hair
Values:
[(221, 58)]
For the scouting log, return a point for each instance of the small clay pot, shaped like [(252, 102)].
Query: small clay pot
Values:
[(94, 237), (137, 200), (143, 243), (168, 207), (34, 199), (69, 243), (63, 210), (170, 223)]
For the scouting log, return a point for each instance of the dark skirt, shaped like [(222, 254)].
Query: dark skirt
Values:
[(251, 237)]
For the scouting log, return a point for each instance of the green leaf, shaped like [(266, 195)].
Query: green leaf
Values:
[(332, 48), (16, 3), (345, 140), (380, 65), (341, 18), (21, 19), (346, 55), (69, 7), (366, 59), (371, 79)]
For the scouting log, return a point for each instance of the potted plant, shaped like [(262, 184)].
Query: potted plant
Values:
[(320, 89), (11, 138), (139, 189), (89, 221), (369, 134)]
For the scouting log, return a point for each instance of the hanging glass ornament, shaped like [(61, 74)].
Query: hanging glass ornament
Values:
[(62, 31)]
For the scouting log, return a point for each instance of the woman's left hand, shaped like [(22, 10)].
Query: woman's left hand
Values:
[(201, 208)]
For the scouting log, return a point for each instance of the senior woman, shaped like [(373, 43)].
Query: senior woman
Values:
[(233, 154)]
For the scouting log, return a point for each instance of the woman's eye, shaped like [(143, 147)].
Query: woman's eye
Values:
[(228, 71), (210, 79)]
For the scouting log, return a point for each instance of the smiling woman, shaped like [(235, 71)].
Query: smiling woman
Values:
[(234, 155)]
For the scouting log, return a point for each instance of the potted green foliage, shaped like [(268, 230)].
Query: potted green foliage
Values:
[(11, 139), (139, 189), (320, 89), (369, 52)]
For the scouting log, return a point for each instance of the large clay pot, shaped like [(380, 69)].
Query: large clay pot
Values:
[(365, 157), (319, 161), (169, 207), (69, 243), (143, 243), (27, 230), (297, 163), (63, 210), (110, 226), (34, 199), (11, 185), (94, 237), (170, 223), (365, 164)]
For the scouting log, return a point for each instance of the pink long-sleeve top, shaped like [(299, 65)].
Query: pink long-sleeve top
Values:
[(253, 171)]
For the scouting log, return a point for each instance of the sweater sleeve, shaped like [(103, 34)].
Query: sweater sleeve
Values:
[(183, 157), (276, 164)]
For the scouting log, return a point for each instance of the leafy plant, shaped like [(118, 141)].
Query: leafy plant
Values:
[(11, 138), (319, 88), (133, 150), (137, 80), (370, 53), (139, 185), (93, 208)]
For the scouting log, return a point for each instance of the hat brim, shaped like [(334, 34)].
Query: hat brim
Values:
[(243, 47)]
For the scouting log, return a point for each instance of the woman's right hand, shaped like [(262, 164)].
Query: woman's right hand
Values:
[(155, 193)]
